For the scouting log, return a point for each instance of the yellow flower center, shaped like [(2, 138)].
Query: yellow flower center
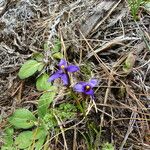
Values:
[(62, 66), (87, 87)]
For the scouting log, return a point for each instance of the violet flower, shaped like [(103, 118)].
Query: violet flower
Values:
[(62, 73), (86, 87)]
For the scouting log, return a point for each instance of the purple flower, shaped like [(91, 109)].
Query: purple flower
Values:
[(86, 87), (63, 72)]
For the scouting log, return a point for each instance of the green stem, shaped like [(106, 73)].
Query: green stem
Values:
[(79, 106)]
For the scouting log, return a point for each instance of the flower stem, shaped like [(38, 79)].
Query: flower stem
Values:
[(79, 106)]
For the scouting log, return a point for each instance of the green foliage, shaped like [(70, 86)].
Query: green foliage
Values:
[(64, 112), (38, 56), (92, 136), (147, 6), (42, 83), (37, 63), (86, 70), (22, 118), (45, 100), (24, 139), (35, 138), (56, 50), (39, 132), (57, 46), (32, 130), (41, 66), (39, 135), (50, 120), (58, 55), (129, 63), (28, 69), (107, 146), (39, 143), (9, 131), (8, 139), (134, 7)]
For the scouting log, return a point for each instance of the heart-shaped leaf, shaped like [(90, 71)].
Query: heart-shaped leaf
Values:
[(28, 69), (42, 83), (22, 118), (24, 139)]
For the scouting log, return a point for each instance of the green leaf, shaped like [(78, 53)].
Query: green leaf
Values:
[(50, 120), (57, 46), (39, 143), (9, 131), (129, 63), (41, 66), (42, 83), (8, 148), (24, 139), (67, 107), (58, 55), (39, 133), (107, 146), (66, 111), (8, 139), (38, 56), (147, 6), (22, 118), (28, 69), (45, 100)]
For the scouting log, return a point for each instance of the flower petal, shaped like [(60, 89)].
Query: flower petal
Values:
[(62, 63), (55, 76), (90, 92), (65, 79), (72, 68), (79, 87), (93, 82)]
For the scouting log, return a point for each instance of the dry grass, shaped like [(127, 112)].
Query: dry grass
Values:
[(120, 112)]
